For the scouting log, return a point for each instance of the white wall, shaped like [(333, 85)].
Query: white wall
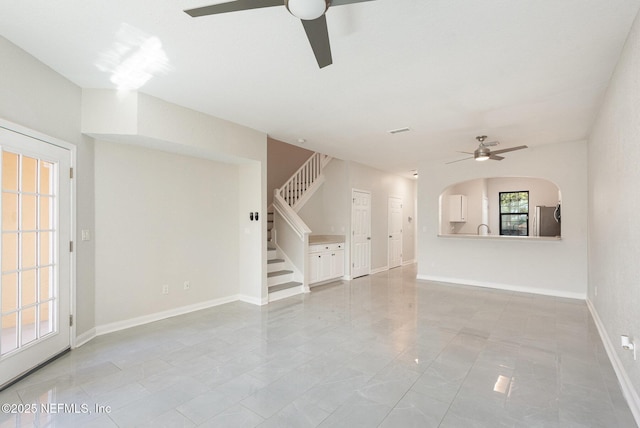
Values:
[(85, 220), (614, 206), (328, 212), (156, 124), (161, 219), (35, 96), (546, 267), (290, 242), (251, 259)]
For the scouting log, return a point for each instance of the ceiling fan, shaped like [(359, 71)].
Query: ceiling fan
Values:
[(483, 152), (310, 12)]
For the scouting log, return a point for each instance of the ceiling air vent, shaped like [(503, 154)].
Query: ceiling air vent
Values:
[(399, 130)]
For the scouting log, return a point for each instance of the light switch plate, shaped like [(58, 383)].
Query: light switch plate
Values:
[(86, 235)]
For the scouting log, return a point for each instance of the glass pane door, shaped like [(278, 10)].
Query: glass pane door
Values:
[(28, 251), (35, 266)]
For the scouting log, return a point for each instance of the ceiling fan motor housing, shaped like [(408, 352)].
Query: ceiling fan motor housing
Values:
[(307, 10), (482, 153)]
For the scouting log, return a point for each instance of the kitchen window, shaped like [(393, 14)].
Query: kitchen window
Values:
[(514, 213)]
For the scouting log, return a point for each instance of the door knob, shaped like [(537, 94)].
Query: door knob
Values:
[(369, 238)]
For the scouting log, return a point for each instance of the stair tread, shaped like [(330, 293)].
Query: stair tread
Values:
[(284, 286), (270, 248), (279, 272), (275, 261)]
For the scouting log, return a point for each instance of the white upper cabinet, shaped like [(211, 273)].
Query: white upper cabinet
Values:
[(457, 208)]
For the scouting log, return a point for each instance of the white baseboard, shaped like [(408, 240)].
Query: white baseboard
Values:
[(378, 270), (253, 300), (283, 294), (325, 282), (386, 268), (506, 287), (628, 390), (84, 338), (145, 319)]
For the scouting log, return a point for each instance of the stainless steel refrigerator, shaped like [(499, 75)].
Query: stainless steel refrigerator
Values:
[(547, 221)]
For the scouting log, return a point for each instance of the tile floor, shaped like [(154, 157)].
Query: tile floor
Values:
[(384, 350)]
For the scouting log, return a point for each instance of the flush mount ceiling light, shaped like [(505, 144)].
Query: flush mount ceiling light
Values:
[(307, 10)]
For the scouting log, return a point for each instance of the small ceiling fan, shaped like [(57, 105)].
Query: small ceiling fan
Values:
[(310, 12), (483, 152)]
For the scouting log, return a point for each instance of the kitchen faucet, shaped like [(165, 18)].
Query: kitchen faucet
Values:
[(483, 224)]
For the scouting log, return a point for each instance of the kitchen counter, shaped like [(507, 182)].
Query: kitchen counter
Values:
[(325, 239), (501, 237)]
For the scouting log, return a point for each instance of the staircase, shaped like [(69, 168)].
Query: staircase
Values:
[(280, 274), (283, 278), (280, 280)]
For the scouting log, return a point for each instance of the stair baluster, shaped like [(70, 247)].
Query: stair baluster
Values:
[(300, 182)]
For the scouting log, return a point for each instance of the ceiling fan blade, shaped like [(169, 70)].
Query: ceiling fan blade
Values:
[(341, 2), (510, 149), (495, 157), (466, 153), (318, 36), (491, 143), (233, 6), (459, 160)]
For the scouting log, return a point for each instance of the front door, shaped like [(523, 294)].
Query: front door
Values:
[(35, 269), (395, 232), (361, 233)]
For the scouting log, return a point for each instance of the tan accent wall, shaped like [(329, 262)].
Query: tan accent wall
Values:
[(282, 161)]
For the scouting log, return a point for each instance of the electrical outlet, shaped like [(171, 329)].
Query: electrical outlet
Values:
[(165, 289), (187, 285)]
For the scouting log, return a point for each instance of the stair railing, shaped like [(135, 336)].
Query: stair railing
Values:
[(294, 189), (292, 232), (293, 220)]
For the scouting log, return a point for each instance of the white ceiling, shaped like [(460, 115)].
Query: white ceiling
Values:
[(523, 72)]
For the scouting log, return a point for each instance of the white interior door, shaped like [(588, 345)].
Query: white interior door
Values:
[(395, 232), (361, 233), (35, 279)]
